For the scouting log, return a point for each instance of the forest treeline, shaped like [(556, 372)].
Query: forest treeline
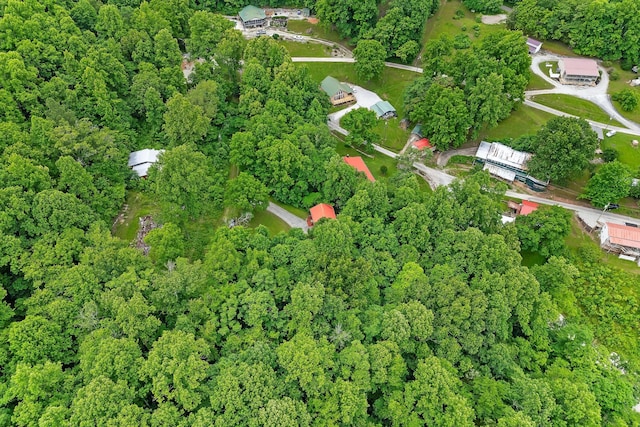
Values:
[(412, 308), (603, 29)]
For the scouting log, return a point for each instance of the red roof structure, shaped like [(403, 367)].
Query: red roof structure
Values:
[(320, 211), (581, 67), (360, 166), (624, 235), (528, 207), (421, 144)]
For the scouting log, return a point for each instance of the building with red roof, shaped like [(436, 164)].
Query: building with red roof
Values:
[(528, 207), (320, 211), (421, 144), (360, 166), (621, 239)]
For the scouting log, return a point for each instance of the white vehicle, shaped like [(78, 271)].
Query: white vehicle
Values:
[(611, 133)]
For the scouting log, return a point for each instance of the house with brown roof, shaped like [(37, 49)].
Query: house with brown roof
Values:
[(578, 71), (360, 166), (621, 239), (339, 93), (320, 211)]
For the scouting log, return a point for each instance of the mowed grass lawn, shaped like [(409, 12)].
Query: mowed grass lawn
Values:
[(302, 26), (443, 23), (537, 83), (575, 106), (374, 163), (306, 49), (269, 220), (627, 153), (389, 86), (523, 121), (620, 84)]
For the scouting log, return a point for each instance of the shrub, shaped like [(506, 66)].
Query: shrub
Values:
[(627, 98), (464, 28), (384, 170), (609, 155), (614, 75), (459, 14)]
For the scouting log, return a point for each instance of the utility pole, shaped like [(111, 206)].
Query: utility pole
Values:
[(602, 213)]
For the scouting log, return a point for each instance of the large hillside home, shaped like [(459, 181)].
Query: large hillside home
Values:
[(578, 71), (339, 93), (252, 17)]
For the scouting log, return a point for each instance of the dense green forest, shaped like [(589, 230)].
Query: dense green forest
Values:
[(603, 29), (412, 308)]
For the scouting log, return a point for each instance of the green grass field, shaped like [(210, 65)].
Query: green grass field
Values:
[(139, 205), (392, 136), (269, 220), (373, 163), (390, 86), (575, 106), (305, 49), (627, 153), (317, 30), (537, 83), (523, 121), (622, 83), (443, 23)]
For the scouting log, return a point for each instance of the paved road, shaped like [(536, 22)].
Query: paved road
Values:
[(351, 60), (444, 157), (607, 126), (291, 219)]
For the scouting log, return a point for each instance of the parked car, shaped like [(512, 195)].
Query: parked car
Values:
[(611, 133), (261, 32)]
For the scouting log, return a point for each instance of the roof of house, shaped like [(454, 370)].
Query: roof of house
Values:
[(331, 85), (147, 155), (528, 207), (251, 13), (421, 144), (503, 173), (382, 107), (579, 67), (500, 153), (624, 235), (417, 130), (359, 165), (533, 42), (322, 210)]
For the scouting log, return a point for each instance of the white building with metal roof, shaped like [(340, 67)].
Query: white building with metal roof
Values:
[(141, 161)]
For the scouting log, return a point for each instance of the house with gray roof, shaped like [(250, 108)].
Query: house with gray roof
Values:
[(339, 93), (252, 17)]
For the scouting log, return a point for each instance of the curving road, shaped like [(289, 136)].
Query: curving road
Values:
[(596, 94)]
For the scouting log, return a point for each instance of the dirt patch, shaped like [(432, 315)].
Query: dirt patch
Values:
[(312, 20), (494, 19), (146, 225)]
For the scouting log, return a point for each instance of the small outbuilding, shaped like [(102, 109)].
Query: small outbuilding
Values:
[(358, 164), (533, 45), (526, 207), (141, 161), (422, 144), (384, 110), (578, 71), (417, 131), (320, 211), (252, 17), (339, 93)]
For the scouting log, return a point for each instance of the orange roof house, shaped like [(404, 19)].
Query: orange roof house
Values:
[(421, 144), (528, 207), (320, 211), (620, 239), (360, 166)]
